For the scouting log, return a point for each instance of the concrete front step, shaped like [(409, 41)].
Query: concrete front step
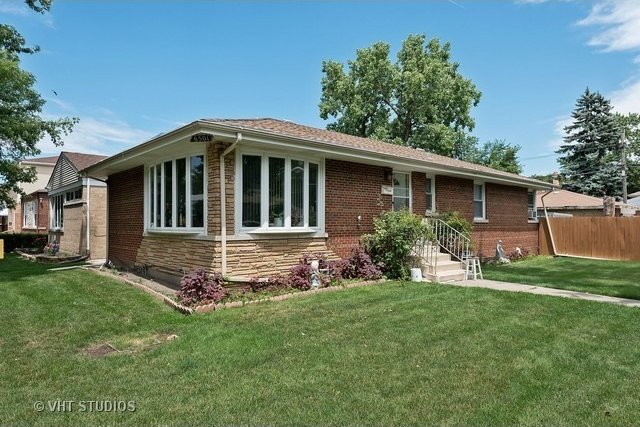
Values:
[(446, 276), (442, 266)]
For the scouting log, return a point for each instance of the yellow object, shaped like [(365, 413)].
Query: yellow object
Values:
[(1, 248)]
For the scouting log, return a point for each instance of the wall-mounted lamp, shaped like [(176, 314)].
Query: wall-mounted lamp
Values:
[(388, 174)]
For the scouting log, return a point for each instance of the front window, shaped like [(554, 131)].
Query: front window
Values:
[(401, 191), (531, 206), (430, 189), (175, 191), (57, 213), (478, 201), (30, 214), (278, 192)]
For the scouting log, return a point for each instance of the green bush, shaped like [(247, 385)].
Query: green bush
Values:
[(23, 240), (455, 220), (395, 234)]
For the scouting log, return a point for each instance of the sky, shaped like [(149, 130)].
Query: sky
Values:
[(131, 70)]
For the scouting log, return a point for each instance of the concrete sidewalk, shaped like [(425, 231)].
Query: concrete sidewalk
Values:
[(539, 290)]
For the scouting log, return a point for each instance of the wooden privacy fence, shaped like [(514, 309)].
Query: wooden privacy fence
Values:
[(596, 237)]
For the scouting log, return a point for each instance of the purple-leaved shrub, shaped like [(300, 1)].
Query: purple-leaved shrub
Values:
[(200, 287)]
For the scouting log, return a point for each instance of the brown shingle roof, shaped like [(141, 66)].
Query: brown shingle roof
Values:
[(294, 130), (566, 198), (81, 160), (51, 159)]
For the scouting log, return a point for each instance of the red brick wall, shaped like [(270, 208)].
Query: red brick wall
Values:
[(418, 193), (506, 214), (125, 215), (352, 190)]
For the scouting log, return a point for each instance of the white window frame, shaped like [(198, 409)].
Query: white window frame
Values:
[(150, 226), (56, 212), (484, 201), (74, 199), (35, 214), (264, 227), (409, 183), (532, 212), (432, 192)]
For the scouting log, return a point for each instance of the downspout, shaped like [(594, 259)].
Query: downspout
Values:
[(223, 203), (553, 243), (89, 216)]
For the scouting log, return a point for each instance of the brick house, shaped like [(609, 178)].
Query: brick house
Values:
[(35, 212), (43, 167), (247, 197), (77, 206)]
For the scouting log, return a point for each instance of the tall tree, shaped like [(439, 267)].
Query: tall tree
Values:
[(590, 155), (630, 124), (498, 154), (421, 100), (21, 123)]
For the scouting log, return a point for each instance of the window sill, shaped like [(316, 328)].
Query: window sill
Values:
[(183, 232), (533, 221), (480, 221), (73, 203), (280, 230)]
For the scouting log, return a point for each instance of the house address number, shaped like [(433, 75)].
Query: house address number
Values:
[(202, 137)]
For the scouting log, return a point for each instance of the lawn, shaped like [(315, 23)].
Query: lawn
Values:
[(613, 278), (397, 353)]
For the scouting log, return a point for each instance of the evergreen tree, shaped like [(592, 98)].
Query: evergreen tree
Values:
[(590, 158)]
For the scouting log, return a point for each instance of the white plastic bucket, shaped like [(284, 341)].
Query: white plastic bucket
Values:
[(416, 275)]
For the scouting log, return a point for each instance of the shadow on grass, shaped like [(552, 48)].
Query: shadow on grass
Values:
[(613, 278), (14, 267)]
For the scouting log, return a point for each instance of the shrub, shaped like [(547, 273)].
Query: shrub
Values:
[(395, 234), (51, 248), (518, 254), (300, 275), (455, 220), (359, 266), (273, 282), (200, 287), (23, 240)]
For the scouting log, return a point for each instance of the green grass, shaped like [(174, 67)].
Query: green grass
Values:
[(398, 353), (613, 278)]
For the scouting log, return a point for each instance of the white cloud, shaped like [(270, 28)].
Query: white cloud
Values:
[(627, 99), (97, 136), (13, 7), (620, 24)]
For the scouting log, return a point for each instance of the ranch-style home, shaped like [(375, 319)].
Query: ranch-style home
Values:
[(247, 197)]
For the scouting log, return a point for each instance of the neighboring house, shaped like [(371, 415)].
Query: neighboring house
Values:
[(77, 206), (248, 197), (44, 167), (634, 199), (569, 203), (35, 212)]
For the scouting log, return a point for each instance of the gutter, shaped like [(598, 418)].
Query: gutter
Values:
[(223, 203)]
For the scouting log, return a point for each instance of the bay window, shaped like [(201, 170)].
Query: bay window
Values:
[(175, 190), (278, 192), (56, 219)]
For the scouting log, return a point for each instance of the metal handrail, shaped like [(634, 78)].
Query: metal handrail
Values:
[(451, 240)]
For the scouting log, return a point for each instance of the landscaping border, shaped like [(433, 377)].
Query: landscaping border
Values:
[(217, 306), (232, 304)]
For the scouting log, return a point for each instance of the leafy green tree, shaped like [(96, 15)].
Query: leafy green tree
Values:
[(630, 124), (590, 155), (421, 100), (497, 154), (544, 178), (21, 123)]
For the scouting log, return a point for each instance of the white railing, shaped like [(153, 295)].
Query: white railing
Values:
[(451, 240)]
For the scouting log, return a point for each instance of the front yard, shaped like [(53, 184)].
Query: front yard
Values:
[(398, 353), (613, 278)]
